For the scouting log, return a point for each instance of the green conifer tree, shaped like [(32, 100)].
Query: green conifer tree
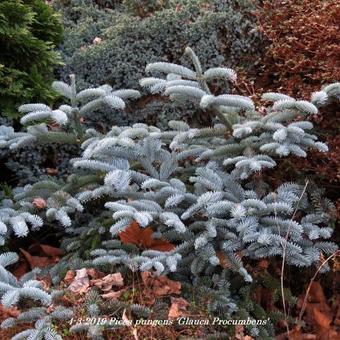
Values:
[(29, 31)]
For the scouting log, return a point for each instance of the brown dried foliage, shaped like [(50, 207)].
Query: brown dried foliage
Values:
[(302, 54), (304, 43)]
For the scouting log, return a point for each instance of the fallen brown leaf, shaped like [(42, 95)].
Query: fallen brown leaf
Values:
[(316, 301), (337, 317), (50, 309), (321, 319), (51, 251), (21, 268), (318, 315), (316, 293), (39, 203), (106, 283), (8, 312), (296, 334), (45, 282), (94, 273), (239, 333), (113, 295), (160, 285), (81, 282), (47, 255), (223, 261), (69, 277), (178, 308), (142, 237), (36, 261)]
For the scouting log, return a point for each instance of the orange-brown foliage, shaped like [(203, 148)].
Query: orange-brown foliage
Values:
[(302, 54), (304, 48)]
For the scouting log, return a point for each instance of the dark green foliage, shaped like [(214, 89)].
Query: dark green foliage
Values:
[(83, 21), (29, 166), (220, 30), (29, 31), (113, 45)]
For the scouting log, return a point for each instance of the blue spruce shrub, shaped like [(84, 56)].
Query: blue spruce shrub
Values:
[(197, 188)]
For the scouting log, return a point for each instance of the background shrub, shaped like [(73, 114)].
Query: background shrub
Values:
[(29, 30), (114, 45), (144, 8), (221, 31)]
